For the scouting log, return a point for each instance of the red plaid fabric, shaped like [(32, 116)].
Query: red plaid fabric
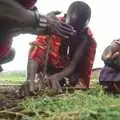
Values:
[(54, 55)]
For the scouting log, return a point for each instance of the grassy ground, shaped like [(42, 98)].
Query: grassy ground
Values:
[(92, 104)]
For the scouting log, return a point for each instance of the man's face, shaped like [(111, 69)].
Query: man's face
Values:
[(71, 19), (76, 18)]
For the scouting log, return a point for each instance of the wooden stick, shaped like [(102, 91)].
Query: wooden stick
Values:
[(36, 45), (7, 114), (46, 56), (16, 109)]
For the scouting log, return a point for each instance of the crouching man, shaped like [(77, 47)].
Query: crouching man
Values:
[(68, 60)]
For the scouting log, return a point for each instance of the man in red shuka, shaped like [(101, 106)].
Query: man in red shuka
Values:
[(68, 58)]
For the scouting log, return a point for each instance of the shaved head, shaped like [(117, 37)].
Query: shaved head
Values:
[(78, 14)]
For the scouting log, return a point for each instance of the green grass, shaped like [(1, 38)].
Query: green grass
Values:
[(92, 104)]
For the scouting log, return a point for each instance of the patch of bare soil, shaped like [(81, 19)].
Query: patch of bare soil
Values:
[(9, 103), (10, 107), (8, 98)]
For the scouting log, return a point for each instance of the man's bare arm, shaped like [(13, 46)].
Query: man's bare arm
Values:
[(13, 11), (68, 70)]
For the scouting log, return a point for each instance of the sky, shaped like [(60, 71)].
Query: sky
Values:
[(104, 23)]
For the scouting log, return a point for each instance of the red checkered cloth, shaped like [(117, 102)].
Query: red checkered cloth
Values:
[(54, 55)]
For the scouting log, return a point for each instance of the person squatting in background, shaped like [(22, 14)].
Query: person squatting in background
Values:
[(110, 73)]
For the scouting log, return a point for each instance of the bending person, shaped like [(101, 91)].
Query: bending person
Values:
[(68, 58), (110, 74)]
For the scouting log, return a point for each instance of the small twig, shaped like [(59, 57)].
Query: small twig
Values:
[(16, 109), (37, 45), (46, 56), (10, 114), (116, 105)]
